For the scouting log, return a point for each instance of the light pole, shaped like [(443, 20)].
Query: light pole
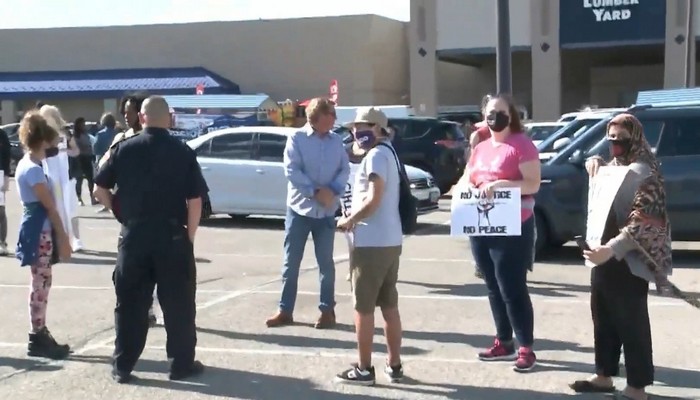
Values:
[(504, 65), (689, 41)]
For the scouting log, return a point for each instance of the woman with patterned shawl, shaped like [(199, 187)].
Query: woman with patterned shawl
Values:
[(636, 251)]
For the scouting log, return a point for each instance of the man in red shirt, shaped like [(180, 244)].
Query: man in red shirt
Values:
[(480, 134)]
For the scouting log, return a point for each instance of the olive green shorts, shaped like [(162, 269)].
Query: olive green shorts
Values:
[(375, 271)]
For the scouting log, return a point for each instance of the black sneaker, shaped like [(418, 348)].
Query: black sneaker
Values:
[(181, 374), (42, 344), (357, 376), (394, 374), (478, 273)]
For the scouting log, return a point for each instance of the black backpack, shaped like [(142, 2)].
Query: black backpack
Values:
[(408, 205)]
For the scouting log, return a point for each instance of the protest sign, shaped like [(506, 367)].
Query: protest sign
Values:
[(475, 215), (602, 190)]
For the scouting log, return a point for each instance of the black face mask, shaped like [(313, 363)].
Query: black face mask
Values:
[(497, 121), (620, 148), (51, 152)]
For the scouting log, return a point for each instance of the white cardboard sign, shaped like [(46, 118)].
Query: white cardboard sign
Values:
[(474, 215), (602, 190)]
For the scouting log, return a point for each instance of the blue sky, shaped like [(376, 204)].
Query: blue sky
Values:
[(17, 14)]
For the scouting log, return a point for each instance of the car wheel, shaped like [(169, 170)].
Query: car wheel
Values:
[(542, 242)]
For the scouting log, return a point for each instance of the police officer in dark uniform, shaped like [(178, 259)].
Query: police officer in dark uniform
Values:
[(160, 191)]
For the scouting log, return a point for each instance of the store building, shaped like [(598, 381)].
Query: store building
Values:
[(86, 70), (565, 53)]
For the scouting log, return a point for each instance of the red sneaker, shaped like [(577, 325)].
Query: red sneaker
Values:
[(499, 352), (526, 360)]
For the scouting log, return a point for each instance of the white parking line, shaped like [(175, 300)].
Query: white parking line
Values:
[(449, 297), (277, 353), (97, 344), (99, 228), (232, 294), (436, 260)]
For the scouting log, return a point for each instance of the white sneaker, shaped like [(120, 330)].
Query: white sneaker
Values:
[(3, 249)]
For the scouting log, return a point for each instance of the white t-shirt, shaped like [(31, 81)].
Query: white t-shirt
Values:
[(383, 228)]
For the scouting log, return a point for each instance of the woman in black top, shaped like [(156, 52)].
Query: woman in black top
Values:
[(84, 167)]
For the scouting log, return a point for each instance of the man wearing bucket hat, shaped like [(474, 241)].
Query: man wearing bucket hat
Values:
[(375, 223)]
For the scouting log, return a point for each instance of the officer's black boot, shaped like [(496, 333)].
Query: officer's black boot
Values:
[(180, 374), (42, 344)]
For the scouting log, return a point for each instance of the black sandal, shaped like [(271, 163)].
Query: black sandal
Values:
[(590, 387)]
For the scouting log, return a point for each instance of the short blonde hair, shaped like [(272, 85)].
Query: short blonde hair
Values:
[(34, 130), (319, 106)]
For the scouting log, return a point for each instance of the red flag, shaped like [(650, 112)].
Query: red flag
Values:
[(199, 91)]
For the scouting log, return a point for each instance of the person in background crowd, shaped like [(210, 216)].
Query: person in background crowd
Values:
[(130, 107), (105, 136), (507, 159), (5, 158), (57, 169), (316, 166), (160, 195), (118, 127), (41, 233), (375, 223), (636, 251), (85, 160), (480, 133)]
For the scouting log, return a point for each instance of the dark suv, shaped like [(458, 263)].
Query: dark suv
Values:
[(433, 145), (673, 133)]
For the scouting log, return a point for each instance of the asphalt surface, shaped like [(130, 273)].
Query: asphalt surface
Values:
[(445, 314)]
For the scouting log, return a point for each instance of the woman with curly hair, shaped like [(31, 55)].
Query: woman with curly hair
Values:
[(40, 231)]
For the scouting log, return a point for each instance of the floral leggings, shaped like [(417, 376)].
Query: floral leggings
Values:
[(41, 282)]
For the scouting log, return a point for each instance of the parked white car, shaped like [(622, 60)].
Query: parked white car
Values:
[(244, 170)]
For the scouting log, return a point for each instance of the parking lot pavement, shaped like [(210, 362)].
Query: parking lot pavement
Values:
[(444, 308)]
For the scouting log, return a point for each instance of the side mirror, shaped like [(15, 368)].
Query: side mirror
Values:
[(577, 158), (561, 143)]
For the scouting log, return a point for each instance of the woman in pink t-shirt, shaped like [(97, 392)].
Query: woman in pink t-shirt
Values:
[(507, 159)]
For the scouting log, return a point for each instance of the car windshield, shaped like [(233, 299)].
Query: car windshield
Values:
[(570, 131), (584, 142), (542, 132), (452, 131)]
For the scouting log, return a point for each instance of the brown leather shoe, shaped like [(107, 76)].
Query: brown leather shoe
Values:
[(326, 320), (279, 319)]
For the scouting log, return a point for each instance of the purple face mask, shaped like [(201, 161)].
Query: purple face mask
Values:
[(365, 139)]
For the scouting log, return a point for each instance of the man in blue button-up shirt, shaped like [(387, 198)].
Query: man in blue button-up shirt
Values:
[(317, 168)]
